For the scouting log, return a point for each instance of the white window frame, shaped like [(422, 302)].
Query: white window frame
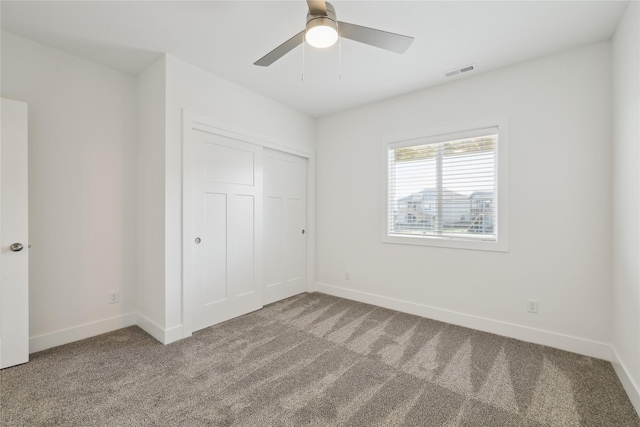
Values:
[(443, 134)]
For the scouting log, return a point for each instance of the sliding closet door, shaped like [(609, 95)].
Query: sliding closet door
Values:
[(285, 215), (226, 244)]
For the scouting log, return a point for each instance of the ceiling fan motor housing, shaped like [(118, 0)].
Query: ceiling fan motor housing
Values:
[(328, 20)]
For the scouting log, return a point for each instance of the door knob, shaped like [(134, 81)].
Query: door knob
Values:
[(16, 247)]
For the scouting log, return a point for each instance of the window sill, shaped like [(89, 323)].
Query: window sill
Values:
[(500, 245)]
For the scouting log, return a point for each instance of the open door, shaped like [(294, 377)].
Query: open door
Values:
[(14, 235)]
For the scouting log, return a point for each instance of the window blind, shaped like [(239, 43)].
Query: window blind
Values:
[(444, 186)]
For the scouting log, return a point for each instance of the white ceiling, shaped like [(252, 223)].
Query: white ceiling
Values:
[(227, 37)]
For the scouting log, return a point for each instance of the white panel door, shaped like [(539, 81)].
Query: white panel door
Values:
[(285, 216), (14, 236), (226, 176)]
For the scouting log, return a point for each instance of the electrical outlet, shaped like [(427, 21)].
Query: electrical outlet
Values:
[(347, 275), (532, 306), (114, 297)]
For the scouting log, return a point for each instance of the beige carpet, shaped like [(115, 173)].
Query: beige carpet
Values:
[(314, 360)]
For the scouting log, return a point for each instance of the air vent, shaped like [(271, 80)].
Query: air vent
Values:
[(460, 70)]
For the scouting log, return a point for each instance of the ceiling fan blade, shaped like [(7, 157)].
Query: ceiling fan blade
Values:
[(317, 7), (378, 38), (281, 50)]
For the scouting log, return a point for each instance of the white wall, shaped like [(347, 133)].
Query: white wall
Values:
[(105, 183), (626, 201), (559, 124), (195, 90), (151, 100), (82, 192)]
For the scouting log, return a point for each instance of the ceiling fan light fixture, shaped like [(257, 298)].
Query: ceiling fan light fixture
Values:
[(321, 32)]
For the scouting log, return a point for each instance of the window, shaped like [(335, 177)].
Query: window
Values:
[(448, 189)]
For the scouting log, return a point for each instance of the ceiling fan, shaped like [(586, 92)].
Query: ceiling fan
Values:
[(323, 29)]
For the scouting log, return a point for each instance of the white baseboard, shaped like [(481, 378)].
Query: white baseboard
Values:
[(80, 332), (537, 336), (150, 327), (165, 336), (91, 329), (173, 334), (630, 386)]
